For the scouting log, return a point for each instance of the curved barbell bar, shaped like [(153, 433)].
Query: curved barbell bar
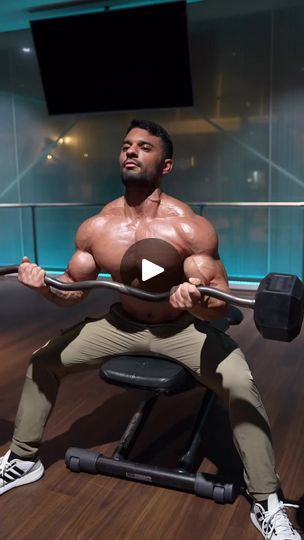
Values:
[(132, 291)]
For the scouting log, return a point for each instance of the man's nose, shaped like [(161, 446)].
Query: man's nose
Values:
[(132, 151)]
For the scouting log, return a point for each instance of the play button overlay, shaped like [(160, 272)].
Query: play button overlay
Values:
[(150, 270), (152, 265)]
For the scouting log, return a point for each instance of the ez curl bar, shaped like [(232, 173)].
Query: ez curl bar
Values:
[(278, 305)]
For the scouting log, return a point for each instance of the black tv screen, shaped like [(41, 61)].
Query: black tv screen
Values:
[(115, 60)]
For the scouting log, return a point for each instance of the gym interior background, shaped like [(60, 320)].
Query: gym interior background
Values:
[(242, 141)]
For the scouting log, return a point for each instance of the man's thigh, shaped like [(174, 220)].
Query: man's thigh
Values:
[(185, 345), (202, 349), (90, 342)]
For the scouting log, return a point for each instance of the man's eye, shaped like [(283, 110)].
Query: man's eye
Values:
[(146, 148), (125, 147)]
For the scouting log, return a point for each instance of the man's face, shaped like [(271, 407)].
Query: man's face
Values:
[(142, 158)]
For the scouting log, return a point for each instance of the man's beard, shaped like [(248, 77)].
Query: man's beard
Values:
[(137, 178)]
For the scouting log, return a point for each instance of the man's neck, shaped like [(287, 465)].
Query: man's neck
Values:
[(141, 203)]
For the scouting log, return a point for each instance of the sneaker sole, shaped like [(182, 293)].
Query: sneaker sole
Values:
[(256, 523), (23, 480)]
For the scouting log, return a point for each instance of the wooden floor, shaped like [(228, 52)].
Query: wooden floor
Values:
[(92, 414)]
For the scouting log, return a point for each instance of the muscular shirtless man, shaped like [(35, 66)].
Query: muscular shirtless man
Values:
[(134, 325)]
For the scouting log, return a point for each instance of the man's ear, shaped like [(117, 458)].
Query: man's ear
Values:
[(167, 167)]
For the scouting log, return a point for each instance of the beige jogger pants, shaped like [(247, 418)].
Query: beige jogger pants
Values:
[(213, 357)]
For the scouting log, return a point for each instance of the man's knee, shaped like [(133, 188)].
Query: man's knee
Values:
[(45, 359), (241, 386), (236, 376)]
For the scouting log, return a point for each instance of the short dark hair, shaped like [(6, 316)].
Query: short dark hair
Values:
[(157, 131)]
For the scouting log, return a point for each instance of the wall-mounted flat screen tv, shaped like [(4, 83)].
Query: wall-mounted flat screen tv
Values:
[(115, 60)]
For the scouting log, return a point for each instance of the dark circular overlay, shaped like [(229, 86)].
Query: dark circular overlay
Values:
[(157, 252)]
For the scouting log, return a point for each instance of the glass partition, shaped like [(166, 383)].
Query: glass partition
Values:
[(55, 232), (16, 235), (254, 239), (241, 141)]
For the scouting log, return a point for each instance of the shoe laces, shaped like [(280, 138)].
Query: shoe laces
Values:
[(276, 520), (4, 464)]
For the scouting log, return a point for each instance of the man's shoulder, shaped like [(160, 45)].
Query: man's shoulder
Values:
[(185, 213), (176, 206), (112, 208), (200, 235), (98, 221)]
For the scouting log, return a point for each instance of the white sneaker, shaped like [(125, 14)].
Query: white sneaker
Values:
[(18, 472), (274, 523)]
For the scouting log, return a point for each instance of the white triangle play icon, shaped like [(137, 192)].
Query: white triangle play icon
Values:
[(149, 270)]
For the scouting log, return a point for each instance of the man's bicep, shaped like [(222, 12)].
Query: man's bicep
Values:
[(82, 266), (210, 270)]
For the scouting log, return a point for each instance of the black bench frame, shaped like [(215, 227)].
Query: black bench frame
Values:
[(157, 376)]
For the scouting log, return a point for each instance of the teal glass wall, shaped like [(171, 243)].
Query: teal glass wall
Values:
[(242, 141)]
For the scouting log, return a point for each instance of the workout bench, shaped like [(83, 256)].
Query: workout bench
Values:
[(157, 376)]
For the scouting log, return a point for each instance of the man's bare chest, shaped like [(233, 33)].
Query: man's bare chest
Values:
[(149, 240)]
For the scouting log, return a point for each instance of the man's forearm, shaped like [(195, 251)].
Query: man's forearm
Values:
[(209, 310), (62, 298)]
